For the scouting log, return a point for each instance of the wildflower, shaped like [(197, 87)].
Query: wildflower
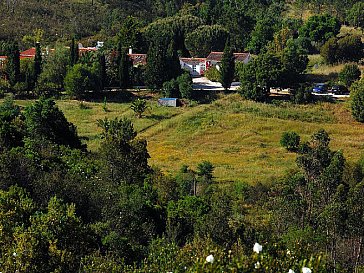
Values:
[(306, 270), (14, 254), (290, 271), (210, 259), (257, 265), (257, 248)]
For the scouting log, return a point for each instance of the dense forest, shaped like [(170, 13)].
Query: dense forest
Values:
[(64, 208)]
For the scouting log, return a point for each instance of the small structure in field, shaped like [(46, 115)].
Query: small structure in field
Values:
[(172, 102)]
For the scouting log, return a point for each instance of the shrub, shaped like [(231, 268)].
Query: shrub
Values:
[(81, 78), (185, 85), (290, 141), (301, 95), (139, 106), (349, 74), (170, 89), (212, 74)]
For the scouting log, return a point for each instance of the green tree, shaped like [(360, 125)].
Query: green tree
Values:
[(227, 67), (205, 39), (74, 54), (350, 48), (44, 120), (185, 85), (81, 78), (263, 33), (329, 50), (355, 15), (290, 140), (13, 63), (349, 74), (125, 158), (54, 69), (357, 100), (320, 28), (125, 65)]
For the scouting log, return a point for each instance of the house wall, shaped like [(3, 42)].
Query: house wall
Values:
[(195, 70)]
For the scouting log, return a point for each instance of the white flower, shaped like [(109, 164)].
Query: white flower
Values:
[(257, 265), (290, 271), (210, 259), (306, 270), (257, 248), (14, 254)]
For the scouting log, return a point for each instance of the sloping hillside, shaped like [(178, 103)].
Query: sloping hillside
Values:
[(241, 138)]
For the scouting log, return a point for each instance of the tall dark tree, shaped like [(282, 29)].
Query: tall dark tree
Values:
[(162, 62), (13, 63), (74, 52), (103, 75), (227, 67), (124, 68), (37, 62)]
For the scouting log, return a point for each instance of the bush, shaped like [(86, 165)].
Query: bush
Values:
[(357, 100), (252, 91), (185, 85), (81, 78), (349, 74), (4, 86), (301, 95), (139, 106), (290, 141), (212, 74), (170, 89)]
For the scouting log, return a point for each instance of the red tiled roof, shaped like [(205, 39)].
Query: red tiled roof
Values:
[(29, 53), (217, 56), (138, 59), (193, 60), (86, 49)]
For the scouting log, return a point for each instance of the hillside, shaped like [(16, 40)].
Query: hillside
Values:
[(241, 138)]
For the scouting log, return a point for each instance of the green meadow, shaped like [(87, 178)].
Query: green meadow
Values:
[(241, 138)]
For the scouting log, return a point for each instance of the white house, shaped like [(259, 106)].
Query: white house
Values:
[(196, 66)]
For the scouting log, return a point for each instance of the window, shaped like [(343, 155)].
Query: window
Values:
[(203, 67), (194, 68)]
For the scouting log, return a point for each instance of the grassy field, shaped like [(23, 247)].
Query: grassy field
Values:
[(241, 138)]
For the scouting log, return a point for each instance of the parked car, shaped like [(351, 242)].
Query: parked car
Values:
[(339, 90), (320, 88)]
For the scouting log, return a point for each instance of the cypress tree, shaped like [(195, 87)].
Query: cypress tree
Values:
[(174, 67), (103, 75), (124, 69), (13, 63), (73, 52), (37, 61), (156, 69), (227, 67)]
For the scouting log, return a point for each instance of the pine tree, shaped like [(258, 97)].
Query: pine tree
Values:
[(13, 63), (37, 62), (227, 67)]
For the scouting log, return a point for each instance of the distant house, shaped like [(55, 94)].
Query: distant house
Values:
[(214, 58), (138, 59), (2, 62), (196, 66)]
